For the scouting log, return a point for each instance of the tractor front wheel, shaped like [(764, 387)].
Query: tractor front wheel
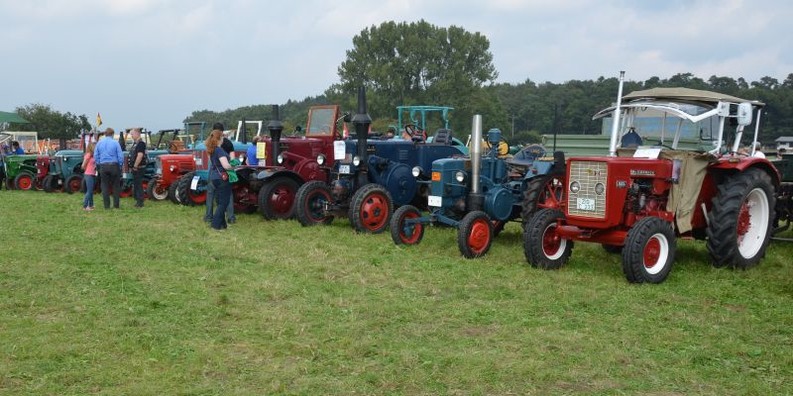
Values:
[(23, 181), (172, 195), (407, 234), (277, 198), (72, 184), (371, 208), (188, 196), (156, 191), (475, 234), (542, 245), (740, 222), (310, 203), (50, 183), (649, 251)]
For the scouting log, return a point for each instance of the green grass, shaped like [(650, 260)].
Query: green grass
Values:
[(152, 302)]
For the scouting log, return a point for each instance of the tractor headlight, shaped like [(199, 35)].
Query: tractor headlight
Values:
[(356, 160), (416, 171), (280, 159), (575, 187), (321, 159), (459, 176), (600, 188)]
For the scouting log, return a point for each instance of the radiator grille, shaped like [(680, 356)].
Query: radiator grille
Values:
[(587, 203)]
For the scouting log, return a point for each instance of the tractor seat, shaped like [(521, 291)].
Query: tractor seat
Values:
[(526, 156), (442, 136)]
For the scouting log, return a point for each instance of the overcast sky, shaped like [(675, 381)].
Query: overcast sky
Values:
[(152, 62)]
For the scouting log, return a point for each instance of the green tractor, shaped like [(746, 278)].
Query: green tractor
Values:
[(20, 171)]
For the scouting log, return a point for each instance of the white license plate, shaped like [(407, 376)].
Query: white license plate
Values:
[(126, 176), (345, 169), (194, 183), (434, 200), (199, 162), (585, 204)]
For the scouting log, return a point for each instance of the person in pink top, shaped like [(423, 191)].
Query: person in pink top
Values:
[(89, 175)]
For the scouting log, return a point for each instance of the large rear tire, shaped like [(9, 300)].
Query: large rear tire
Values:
[(310, 203), (740, 221), (541, 192), (24, 181), (370, 209), (475, 234), (277, 198), (188, 196), (542, 246), (406, 234), (649, 251)]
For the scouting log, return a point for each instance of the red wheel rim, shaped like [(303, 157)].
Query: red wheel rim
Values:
[(315, 205), (479, 237), (413, 231), (374, 211), (25, 183), (744, 220), (651, 253), (74, 184), (551, 242), (282, 199)]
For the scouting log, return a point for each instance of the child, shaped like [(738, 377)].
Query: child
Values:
[(89, 166)]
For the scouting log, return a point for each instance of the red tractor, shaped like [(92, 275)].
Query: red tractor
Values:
[(170, 167), (648, 191)]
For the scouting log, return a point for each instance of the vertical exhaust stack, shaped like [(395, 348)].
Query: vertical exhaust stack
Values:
[(244, 130), (615, 126), (275, 127), (476, 200), (361, 121)]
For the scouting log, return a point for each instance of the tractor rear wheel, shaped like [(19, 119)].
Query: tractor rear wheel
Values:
[(741, 219), (24, 181), (649, 251), (50, 183), (310, 203), (370, 209), (172, 195), (475, 234), (188, 196), (277, 198), (156, 191), (541, 192), (72, 184), (542, 245), (407, 234)]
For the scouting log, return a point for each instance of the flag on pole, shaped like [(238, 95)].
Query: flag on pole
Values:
[(98, 120)]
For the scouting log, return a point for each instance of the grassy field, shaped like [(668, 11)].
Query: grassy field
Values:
[(152, 302)]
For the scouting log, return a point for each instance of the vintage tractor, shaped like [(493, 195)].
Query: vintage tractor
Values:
[(370, 177), (479, 194), (20, 171), (65, 172), (169, 167), (638, 200)]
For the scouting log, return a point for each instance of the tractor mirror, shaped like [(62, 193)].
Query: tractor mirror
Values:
[(744, 113)]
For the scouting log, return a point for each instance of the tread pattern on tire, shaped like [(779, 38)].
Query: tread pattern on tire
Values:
[(357, 201), (633, 251), (395, 225), (464, 230), (264, 198), (533, 240), (302, 196)]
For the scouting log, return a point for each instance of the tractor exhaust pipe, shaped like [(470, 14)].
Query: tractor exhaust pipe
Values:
[(615, 126), (275, 126), (361, 121), (244, 130), (476, 199)]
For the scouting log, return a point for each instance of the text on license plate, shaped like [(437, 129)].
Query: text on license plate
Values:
[(345, 169), (434, 200), (585, 204)]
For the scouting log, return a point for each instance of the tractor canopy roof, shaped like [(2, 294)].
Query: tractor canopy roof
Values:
[(685, 95)]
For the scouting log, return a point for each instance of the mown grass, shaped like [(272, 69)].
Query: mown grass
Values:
[(152, 302)]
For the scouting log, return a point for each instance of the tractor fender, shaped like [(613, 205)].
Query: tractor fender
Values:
[(396, 177), (268, 174), (734, 165)]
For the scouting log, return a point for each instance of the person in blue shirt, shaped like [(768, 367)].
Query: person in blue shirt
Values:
[(250, 155), (16, 149), (109, 159)]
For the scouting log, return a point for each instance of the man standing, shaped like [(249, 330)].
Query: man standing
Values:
[(109, 159), (137, 164)]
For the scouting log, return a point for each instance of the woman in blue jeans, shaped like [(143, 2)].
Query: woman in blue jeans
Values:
[(89, 175), (218, 165)]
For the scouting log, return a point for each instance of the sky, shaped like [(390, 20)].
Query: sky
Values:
[(151, 63)]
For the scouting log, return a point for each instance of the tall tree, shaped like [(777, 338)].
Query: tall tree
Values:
[(51, 123), (416, 63)]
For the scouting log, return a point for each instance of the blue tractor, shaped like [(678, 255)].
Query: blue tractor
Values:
[(370, 177), (480, 193)]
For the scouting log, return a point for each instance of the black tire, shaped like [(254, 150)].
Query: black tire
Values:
[(277, 198), (541, 246), (371, 208), (72, 184), (613, 249), (172, 195), (538, 191), (24, 181), (402, 234), (50, 183), (186, 196), (475, 234), (741, 244), (310, 203), (649, 251), (155, 191)]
